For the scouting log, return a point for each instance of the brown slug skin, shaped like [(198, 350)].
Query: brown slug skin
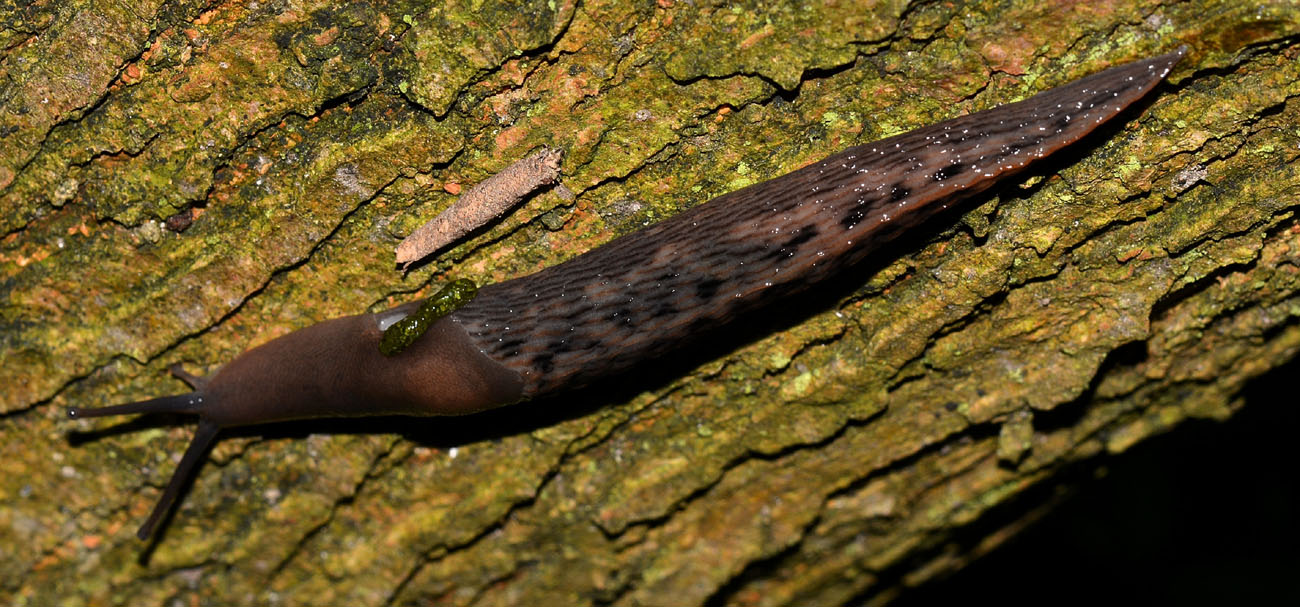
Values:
[(330, 369), (652, 291), (335, 369), (641, 295)]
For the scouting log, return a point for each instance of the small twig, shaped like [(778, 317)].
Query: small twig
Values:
[(481, 203)]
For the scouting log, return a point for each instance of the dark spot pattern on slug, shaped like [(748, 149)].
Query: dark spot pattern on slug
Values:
[(575, 314), (646, 293), (665, 309), (861, 209), (949, 171), (666, 278), (792, 244), (511, 345), (707, 288), (544, 362)]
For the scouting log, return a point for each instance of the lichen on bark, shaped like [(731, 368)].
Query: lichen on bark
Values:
[(823, 456)]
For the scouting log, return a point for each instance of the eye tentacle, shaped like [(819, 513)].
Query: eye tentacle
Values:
[(194, 381), (191, 402)]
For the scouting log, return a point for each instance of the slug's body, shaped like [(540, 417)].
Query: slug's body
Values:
[(649, 292)]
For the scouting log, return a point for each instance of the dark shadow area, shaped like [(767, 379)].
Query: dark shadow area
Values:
[(1070, 414), (1208, 514)]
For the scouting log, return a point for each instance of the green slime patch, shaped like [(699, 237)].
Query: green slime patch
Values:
[(404, 332)]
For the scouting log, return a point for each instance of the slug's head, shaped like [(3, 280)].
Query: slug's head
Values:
[(333, 368), (195, 402)]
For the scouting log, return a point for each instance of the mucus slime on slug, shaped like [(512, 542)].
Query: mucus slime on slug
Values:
[(637, 297)]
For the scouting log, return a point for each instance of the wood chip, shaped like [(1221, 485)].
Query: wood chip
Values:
[(481, 204)]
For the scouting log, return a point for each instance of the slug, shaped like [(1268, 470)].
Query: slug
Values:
[(647, 293)]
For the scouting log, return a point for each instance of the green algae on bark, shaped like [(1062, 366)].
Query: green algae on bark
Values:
[(453, 44), (806, 467), (286, 193), (154, 144), (780, 42), (74, 54)]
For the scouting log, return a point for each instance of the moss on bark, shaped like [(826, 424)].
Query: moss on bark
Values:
[(826, 454)]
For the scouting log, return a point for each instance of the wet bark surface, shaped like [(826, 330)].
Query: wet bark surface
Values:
[(182, 181)]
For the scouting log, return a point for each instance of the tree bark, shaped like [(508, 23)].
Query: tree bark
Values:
[(182, 181)]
